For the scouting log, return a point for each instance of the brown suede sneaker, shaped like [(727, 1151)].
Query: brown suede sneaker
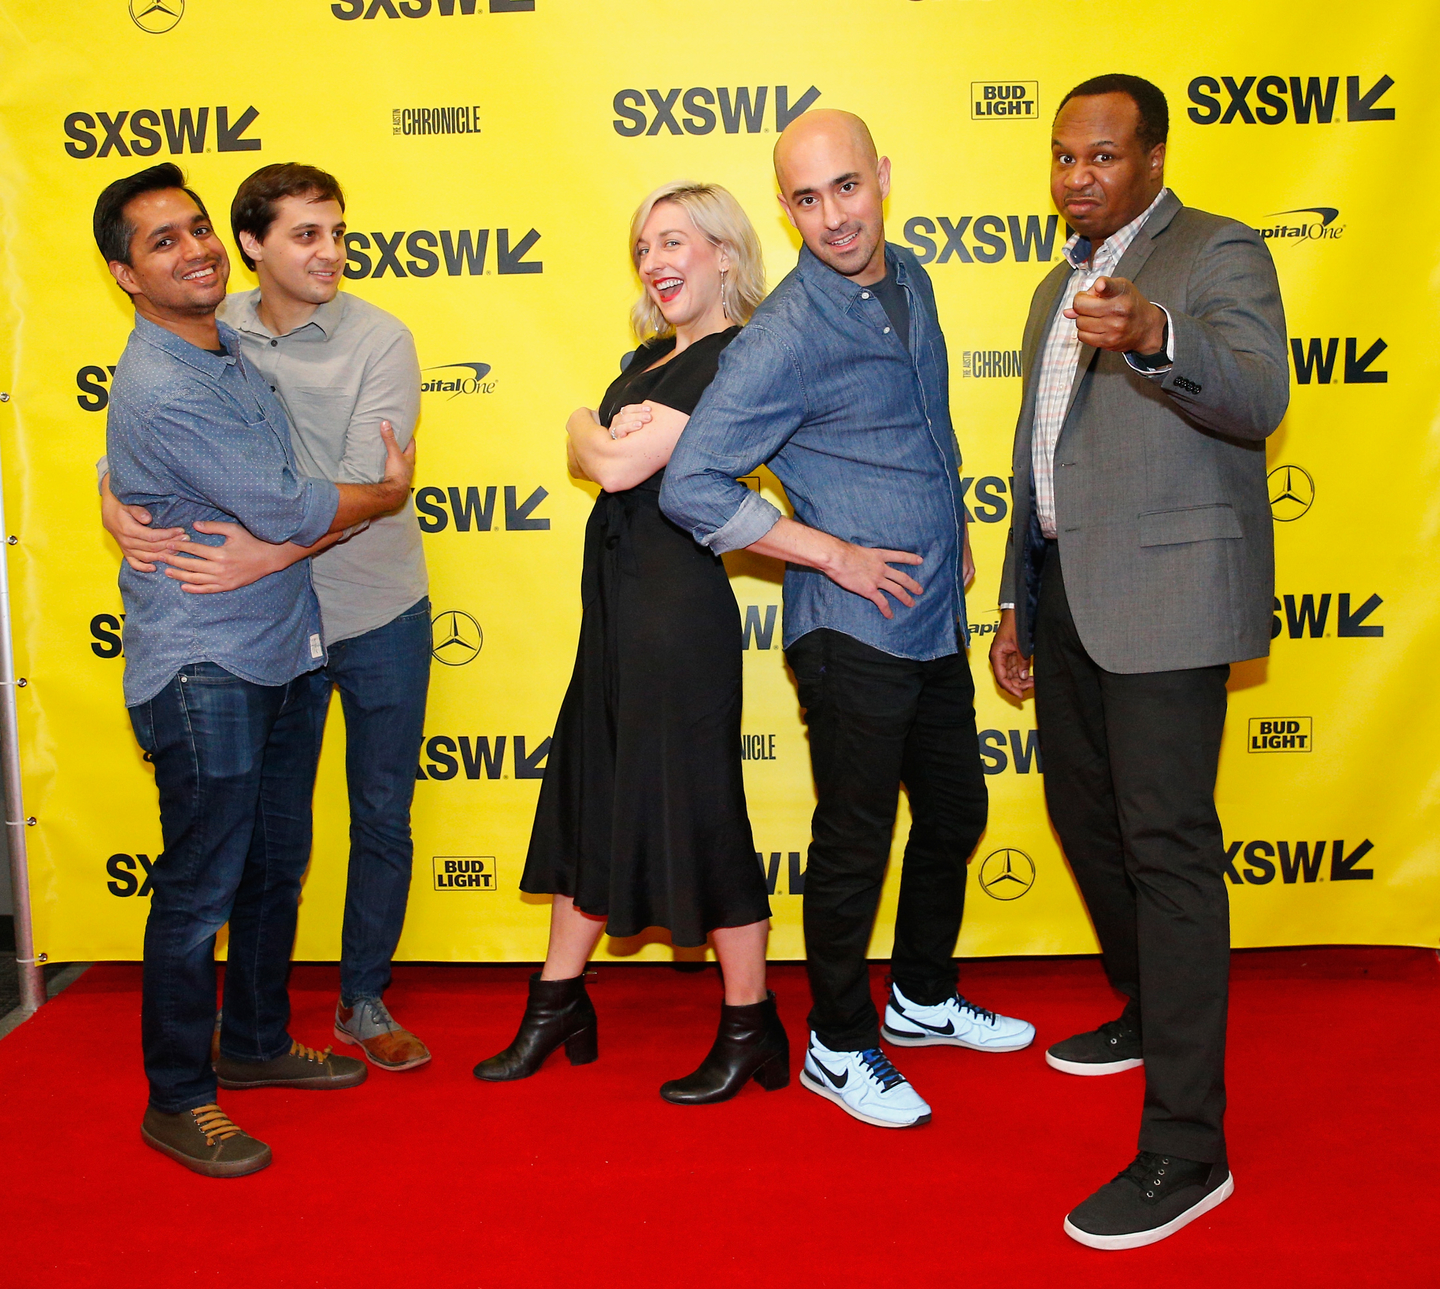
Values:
[(205, 1141), (300, 1067), (386, 1043)]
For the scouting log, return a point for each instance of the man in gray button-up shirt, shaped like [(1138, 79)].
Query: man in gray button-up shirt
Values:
[(217, 687), (341, 368)]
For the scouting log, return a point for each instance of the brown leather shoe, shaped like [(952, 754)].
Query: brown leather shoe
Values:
[(369, 1026), (300, 1067), (205, 1141)]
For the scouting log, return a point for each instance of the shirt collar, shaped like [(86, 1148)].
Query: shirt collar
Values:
[(192, 355), (843, 290), (1078, 250), (325, 318)]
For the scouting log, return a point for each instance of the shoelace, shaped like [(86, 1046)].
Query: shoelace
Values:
[(885, 1074), (214, 1123), (1115, 1030), (379, 1013), (297, 1048), (1147, 1170), (980, 1013)]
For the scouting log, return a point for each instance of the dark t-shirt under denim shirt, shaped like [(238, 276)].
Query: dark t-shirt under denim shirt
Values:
[(196, 435), (855, 423)]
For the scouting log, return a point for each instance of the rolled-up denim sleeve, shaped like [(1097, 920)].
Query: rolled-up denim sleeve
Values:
[(752, 407), (243, 470)]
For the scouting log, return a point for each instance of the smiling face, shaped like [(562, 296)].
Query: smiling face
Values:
[(1101, 175), (833, 187), (177, 263), (303, 254), (680, 267)]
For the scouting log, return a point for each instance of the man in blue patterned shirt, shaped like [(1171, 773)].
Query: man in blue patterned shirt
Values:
[(840, 383), (214, 684)]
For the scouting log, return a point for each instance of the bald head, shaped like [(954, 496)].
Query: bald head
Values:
[(828, 132), (833, 187)]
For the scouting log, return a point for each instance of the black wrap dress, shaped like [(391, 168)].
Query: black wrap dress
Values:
[(641, 817)]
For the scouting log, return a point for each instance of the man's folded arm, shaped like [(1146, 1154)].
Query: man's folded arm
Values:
[(752, 407), (1231, 372)]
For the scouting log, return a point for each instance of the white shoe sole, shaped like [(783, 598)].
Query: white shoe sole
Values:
[(940, 1040), (1138, 1239), (808, 1081), (1090, 1069)]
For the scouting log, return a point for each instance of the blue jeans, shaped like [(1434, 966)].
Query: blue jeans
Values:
[(383, 677), (235, 769)]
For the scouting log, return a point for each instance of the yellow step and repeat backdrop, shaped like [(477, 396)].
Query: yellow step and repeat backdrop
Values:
[(492, 152)]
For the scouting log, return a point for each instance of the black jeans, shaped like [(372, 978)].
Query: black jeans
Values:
[(235, 768), (876, 721), (383, 677), (1130, 764)]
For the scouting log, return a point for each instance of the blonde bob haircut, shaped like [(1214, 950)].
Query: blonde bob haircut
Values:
[(720, 219)]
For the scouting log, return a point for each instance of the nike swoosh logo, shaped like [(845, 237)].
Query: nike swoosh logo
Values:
[(830, 1074), (943, 1030)]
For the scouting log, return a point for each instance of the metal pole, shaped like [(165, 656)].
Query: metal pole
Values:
[(32, 976)]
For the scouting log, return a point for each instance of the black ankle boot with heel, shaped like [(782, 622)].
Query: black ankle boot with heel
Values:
[(558, 1011), (751, 1044)]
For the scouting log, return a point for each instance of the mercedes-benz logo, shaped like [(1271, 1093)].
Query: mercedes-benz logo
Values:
[(156, 16), (455, 638), (1006, 874), (1292, 492)]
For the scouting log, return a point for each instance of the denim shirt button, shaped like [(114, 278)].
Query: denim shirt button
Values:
[(864, 295)]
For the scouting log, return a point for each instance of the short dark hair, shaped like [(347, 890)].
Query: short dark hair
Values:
[(253, 210), (113, 232), (1154, 124)]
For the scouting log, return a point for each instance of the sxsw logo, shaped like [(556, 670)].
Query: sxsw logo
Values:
[(1307, 616), (1284, 734), (1278, 99), (452, 381), (1322, 228), (92, 382), (482, 756), (129, 875), (992, 238), (464, 872), (463, 252), (771, 870), (1299, 861), (105, 639), (1314, 359), (694, 111), (142, 132), (1000, 749), (759, 630), (982, 364), (438, 508), (349, 10), (1007, 100)]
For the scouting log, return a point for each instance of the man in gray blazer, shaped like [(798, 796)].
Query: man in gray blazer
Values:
[(1139, 566)]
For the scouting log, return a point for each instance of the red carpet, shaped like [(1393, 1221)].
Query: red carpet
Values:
[(585, 1177)]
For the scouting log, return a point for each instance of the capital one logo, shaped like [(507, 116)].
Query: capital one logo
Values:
[(699, 110)]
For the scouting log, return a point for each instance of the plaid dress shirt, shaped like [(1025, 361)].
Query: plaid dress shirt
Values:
[(1062, 355)]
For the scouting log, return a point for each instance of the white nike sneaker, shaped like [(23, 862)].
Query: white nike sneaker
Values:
[(863, 1084), (953, 1023)]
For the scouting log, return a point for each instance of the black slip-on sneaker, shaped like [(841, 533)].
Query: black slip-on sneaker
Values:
[(1152, 1199)]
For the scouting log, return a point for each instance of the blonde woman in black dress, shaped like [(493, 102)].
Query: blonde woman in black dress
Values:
[(641, 819)]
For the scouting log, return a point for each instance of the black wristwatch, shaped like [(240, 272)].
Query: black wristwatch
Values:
[(1155, 361)]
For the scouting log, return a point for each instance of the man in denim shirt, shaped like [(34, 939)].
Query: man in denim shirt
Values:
[(840, 383), (216, 684)]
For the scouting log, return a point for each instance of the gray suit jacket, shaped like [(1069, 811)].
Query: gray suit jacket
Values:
[(1161, 507)]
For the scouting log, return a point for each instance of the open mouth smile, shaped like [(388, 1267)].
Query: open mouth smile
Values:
[(667, 288), (203, 275)]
